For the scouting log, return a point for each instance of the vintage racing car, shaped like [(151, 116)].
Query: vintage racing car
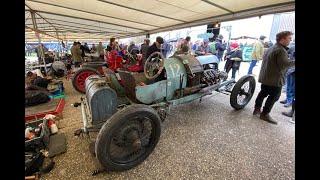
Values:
[(128, 116)]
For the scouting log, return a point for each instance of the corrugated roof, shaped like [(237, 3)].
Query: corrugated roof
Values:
[(102, 19)]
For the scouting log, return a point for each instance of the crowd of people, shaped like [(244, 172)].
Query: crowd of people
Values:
[(277, 68)]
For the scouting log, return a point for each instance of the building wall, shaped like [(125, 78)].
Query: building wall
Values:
[(282, 22)]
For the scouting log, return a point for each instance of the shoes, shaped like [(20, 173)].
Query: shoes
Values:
[(292, 121), (288, 114), (288, 105), (283, 102), (268, 118), (256, 111)]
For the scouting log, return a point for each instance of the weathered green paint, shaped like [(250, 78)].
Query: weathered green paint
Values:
[(174, 69), (166, 88), (150, 93), (116, 85), (186, 99)]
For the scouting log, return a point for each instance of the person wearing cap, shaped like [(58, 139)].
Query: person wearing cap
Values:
[(155, 47), (220, 47), (257, 53), (272, 75), (234, 58), (204, 48)]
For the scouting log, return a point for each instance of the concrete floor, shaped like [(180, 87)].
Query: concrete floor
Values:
[(207, 140)]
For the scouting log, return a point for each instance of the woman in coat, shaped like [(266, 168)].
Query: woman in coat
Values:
[(234, 58)]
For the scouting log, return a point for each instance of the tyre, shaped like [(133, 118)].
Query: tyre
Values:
[(242, 92), (128, 137), (79, 78)]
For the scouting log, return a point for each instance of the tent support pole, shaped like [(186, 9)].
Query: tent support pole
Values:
[(34, 22)]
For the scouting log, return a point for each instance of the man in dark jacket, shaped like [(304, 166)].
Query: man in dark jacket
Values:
[(220, 47), (86, 48), (155, 47), (143, 49), (82, 48), (272, 75)]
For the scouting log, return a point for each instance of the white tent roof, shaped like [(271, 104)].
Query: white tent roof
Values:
[(101, 19)]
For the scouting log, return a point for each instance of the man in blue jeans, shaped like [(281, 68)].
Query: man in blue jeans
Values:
[(290, 80), (257, 53)]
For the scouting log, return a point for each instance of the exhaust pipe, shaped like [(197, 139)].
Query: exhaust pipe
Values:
[(216, 86)]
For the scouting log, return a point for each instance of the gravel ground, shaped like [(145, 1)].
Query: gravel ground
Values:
[(207, 140)]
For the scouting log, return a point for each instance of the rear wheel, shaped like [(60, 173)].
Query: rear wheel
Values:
[(128, 137), (242, 92), (80, 77)]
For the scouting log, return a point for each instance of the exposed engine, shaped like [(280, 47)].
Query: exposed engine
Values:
[(213, 76), (202, 71)]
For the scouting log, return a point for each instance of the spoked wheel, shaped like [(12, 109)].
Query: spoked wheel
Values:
[(242, 92), (80, 77), (128, 137)]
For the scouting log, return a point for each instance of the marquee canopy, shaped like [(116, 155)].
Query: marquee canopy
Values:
[(98, 20)]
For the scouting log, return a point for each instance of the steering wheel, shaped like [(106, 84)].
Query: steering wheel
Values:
[(154, 65)]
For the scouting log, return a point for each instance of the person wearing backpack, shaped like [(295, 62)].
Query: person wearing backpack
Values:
[(257, 53)]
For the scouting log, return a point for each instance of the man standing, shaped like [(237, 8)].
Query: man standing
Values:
[(86, 48), (143, 50), (41, 53), (220, 47), (291, 78), (257, 53), (155, 47), (100, 50), (76, 54), (272, 75)]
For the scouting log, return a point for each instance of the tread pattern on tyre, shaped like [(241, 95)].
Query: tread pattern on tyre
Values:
[(80, 71), (111, 125), (237, 86)]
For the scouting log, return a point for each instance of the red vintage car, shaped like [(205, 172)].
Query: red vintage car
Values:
[(113, 61)]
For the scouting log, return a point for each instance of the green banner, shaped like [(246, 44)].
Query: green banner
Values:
[(246, 53)]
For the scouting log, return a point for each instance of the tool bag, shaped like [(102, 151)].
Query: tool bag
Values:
[(33, 162), (33, 98), (40, 142)]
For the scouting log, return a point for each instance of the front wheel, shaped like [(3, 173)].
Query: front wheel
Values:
[(242, 92), (128, 137)]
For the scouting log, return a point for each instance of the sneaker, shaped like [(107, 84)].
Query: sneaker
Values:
[(288, 105), (256, 111), (292, 121), (288, 114), (268, 118), (283, 102)]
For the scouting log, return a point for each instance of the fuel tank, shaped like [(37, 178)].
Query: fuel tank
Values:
[(101, 99)]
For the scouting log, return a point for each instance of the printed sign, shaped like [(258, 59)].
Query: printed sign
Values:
[(246, 53)]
